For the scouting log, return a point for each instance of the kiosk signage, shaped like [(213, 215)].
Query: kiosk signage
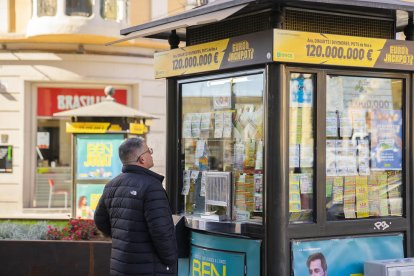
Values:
[(222, 54), (328, 49)]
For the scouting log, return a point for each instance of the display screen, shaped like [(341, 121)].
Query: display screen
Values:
[(222, 148), (301, 147), (364, 141)]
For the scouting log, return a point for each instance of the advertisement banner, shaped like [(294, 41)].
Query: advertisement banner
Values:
[(344, 256), (6, 159), (87, 198), (328, 49), (222, 54), (386, 140), (97, 156), (52, 99), (216, 262)]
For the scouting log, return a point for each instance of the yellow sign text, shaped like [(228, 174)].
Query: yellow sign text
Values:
[(98, 155), (203, 268)]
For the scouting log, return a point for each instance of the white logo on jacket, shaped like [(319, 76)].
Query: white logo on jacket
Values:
[(133, 193)]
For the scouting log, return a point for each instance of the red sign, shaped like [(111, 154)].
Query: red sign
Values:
[(52, 100)]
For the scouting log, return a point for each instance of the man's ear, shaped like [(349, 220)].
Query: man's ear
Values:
[(141, 160)]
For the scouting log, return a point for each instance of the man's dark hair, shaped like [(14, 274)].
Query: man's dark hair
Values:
[(317, 256), (129, 149)]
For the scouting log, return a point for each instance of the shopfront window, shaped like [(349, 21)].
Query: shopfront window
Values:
[(222, 146), (301, 147), (78, 8), (364, 142), (53, 183), (46, 7)]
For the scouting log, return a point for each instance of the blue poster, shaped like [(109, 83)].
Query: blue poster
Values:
[(386, 139), (343, 256), (301, 90), (216, 262), (97, 156)]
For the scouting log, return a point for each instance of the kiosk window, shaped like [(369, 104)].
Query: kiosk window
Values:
[(364, 131), (222, 147), (301, 147)]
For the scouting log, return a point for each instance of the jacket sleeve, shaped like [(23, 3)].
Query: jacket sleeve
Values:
[(160, 224), (101, 217)]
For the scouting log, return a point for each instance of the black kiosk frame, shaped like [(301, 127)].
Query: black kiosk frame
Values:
[(340, 182)]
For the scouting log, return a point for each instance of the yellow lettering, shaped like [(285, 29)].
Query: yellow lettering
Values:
[(205, 268), (196, 267), (214, 271), (98, 155)]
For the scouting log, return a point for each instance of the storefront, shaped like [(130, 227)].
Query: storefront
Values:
[(293, 144), (53, 143)]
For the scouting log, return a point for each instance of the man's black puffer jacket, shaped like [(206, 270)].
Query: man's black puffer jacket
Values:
[(135, 212)]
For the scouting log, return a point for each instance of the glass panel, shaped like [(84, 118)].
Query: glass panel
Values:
[(53, 186), (222, 146), (79, 8), (46, 8), (364, 131), (109, 9), (301, 147)]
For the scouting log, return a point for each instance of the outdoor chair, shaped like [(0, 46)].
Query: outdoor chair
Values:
[(52, 191)]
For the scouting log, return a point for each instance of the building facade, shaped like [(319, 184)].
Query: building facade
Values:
[(53, 58)]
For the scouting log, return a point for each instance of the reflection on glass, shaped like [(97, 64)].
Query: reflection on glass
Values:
[(222, 147), (79, 8), (301, 148), (363, 147), (46, 8), (109, 9)]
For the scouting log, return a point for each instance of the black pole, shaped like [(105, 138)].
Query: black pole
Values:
[(172, 167), (276, 247)]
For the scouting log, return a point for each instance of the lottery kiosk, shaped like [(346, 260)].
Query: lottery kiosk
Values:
[(289, 140), (97, 132)]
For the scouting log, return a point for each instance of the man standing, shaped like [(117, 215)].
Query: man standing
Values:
[(317, 265), (135, 212)]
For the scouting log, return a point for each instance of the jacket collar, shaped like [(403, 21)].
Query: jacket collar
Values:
[(141, 170)]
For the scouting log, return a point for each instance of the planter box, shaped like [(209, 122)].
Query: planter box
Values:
[(39, 258)]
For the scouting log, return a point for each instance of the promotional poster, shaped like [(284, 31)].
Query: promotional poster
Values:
[(97, 156), (386, 141), (344, 256), (87, 198)]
